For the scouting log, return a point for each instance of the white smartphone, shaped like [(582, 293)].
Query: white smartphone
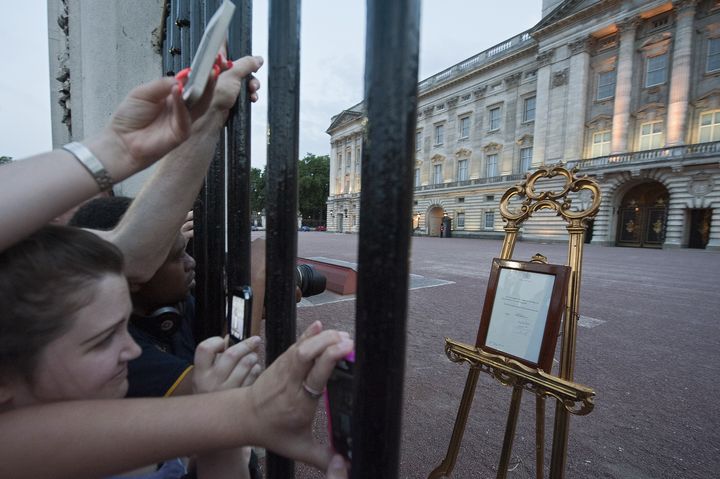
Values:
[(213, 38)]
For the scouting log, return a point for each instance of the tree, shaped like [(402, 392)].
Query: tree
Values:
[(5, 159), (313, 186), (258, 188)]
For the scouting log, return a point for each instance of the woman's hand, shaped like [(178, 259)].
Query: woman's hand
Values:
[(218, 367)]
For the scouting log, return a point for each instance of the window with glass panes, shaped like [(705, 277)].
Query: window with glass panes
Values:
[(417, 176), (605, 85), (464, 127), (656, 71), (462, 170), (601, 143), (713, 55), (489, 219), (437, 174), (525, 159), (439, 134), (651, 135), (460, 223), (529, 109), (710, 126), (492, 165), (418, 140), (494, 118)]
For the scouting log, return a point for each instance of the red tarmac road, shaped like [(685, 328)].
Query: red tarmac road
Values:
[(648, 344)]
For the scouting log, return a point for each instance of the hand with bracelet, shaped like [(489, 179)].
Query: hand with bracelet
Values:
[(150, 122)]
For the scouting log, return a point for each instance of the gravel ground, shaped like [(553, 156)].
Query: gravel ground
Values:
[(649, 347)]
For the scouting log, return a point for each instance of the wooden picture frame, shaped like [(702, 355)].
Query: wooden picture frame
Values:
[(523, 308)]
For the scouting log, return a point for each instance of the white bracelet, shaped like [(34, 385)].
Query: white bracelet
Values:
[(91, 163)]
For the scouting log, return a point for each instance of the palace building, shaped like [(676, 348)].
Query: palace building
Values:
[(626, 91)]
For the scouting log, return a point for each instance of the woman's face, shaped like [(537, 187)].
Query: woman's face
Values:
[(90, 360)]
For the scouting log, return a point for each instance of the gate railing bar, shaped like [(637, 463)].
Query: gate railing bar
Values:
[(238, 264), (282, 160), (391, 79)]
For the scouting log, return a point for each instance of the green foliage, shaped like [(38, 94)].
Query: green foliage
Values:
[(313, 186), (258, 189), (5, 159)]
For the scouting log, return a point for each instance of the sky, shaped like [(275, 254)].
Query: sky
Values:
[(332, 53)]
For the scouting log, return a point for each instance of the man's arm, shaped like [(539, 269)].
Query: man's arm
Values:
[(148, 229)]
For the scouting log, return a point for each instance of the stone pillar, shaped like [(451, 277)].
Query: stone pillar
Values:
[(680, 76), (675, 223), (577, 99), (714, 240), (352, 164), (623, 85), (333, 168), (601, 225), (542, 107)]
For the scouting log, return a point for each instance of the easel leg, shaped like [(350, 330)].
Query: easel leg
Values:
[(448, 464), (560, 441), (539, 436), (509, 432)]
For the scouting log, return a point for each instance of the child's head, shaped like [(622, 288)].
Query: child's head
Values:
[(173, 279), (63, 329)]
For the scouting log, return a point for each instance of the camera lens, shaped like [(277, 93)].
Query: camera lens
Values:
[(309, 280)]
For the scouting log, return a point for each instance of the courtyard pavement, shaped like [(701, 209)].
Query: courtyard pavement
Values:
[(647, 343)]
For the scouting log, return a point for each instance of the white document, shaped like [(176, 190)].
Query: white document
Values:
[(519, 313)]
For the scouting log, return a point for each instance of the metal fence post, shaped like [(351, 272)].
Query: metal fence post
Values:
[(391, 68), (282, 160)]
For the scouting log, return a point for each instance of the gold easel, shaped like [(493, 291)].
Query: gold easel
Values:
[(571, 398)]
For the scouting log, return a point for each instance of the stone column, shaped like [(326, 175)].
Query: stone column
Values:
[(623, 85), (352, 164), (333, 168), (680, 76), (542, 107), (601, 225), (577, 98), (675, 224), (714, 240)]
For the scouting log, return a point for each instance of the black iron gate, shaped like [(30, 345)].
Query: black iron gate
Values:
[(386, 200)]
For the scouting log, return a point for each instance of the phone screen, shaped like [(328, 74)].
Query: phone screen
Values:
[(237, 318), (340, 407)]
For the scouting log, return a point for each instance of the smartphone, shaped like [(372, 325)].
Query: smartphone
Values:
[(213, 38), (339, 405), (239, 314)]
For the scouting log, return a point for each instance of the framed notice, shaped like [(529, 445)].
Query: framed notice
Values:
[(523, 309)]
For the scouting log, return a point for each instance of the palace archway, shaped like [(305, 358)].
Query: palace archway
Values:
[(642, 216)]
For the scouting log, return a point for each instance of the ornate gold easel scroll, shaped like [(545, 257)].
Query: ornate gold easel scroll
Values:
[(571, 398)]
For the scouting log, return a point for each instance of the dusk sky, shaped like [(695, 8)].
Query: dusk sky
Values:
[(332, 56)]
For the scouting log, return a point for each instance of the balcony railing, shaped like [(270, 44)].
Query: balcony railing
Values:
[(476, 181), (475, 61), (674, 153)]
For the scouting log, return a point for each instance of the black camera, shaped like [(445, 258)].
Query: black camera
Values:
[(309, 280)]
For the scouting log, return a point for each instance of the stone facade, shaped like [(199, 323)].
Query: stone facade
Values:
[(627, 91)]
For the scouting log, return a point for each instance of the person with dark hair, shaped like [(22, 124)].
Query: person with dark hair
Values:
[(64, 334)]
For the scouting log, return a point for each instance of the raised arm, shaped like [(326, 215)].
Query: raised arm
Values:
[(100, 438), (151, 224), (149, 122)]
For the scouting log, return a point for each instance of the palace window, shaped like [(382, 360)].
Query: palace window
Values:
[(418, 140), (656, 70), (525, 159), (489, 220), (651, 135), (492, 165), (710, 126), (417, 177), (529, 109), (494, 118), (460, 219), (462, 174), (439, 134), (713, 55), (601, 144), (465, 127), (605, 85), (437, 174)]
